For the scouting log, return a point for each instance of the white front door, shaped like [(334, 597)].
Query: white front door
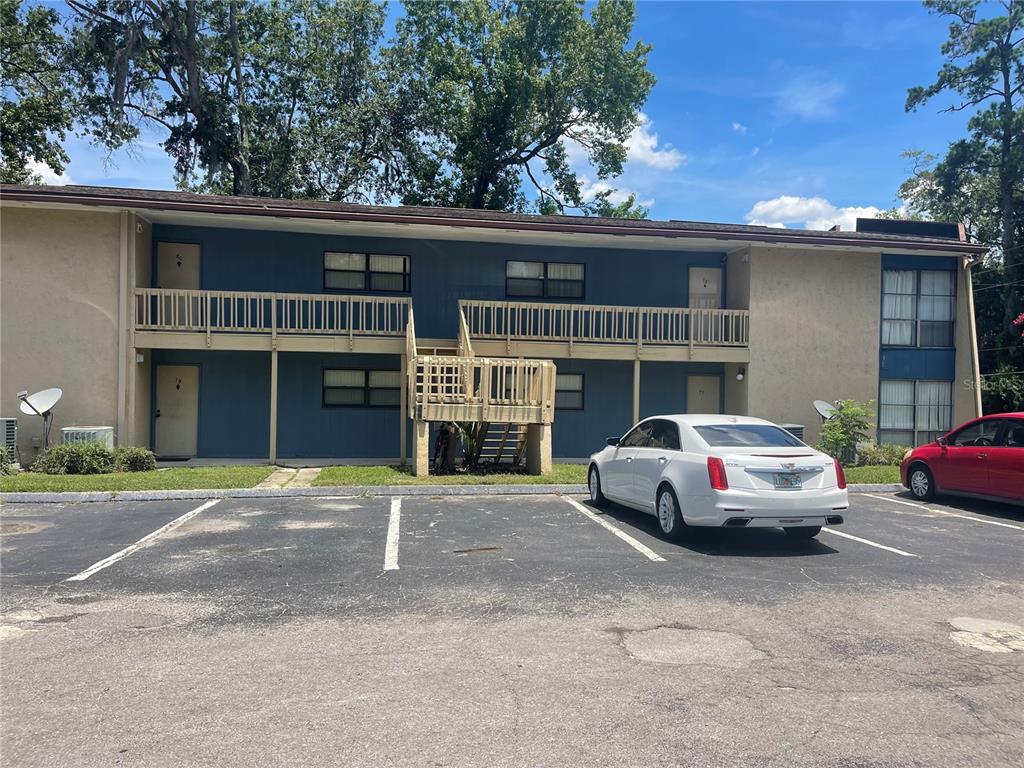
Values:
[(703, 394), (705, 288), (177, 411)]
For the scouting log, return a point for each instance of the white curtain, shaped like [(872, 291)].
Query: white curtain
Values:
[(934, 406), (936, 301), (896, 405), (898, 292)]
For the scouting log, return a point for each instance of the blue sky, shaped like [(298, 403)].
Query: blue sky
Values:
[(777, 113)]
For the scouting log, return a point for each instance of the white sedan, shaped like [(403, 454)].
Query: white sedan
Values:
[(712, 470)]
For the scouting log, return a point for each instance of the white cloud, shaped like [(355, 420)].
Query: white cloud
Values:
[(46, 173), (755, 152), (642, 146), (810, 98), (739, 128), (589, 190), (808, 213)]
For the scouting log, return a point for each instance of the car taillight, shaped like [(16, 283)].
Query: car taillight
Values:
[(716, 474), (840, 477)]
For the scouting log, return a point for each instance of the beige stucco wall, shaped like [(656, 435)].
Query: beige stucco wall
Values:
[(141, 268), (58, 316), (814, 332), (964, 402)]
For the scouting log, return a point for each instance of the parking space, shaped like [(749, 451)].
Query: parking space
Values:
[(508, 630)]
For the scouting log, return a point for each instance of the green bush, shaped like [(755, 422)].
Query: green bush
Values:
[(129, 458), (880, 455), (75, 459), (6, 466), (846, 428)]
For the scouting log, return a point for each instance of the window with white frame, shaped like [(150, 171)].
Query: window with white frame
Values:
[(361, 388), (914, 412), (540, 279), (366, 272), (918, 307), (569, 391)]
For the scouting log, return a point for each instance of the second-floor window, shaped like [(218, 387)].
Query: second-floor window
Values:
[(544, 279), (918, 307), (366, 272)]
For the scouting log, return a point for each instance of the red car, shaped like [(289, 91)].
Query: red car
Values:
[(983, 457)]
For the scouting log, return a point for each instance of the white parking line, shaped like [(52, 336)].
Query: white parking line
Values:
[(850, 536), (933, 510), (646, 551), (391, 548), (145, 540)]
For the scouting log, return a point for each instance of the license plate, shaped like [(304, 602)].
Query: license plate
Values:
[(788, 480)]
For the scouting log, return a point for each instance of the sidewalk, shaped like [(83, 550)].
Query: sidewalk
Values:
[(295, 489)]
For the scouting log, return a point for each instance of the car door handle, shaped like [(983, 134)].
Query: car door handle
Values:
[(982, 455), (629, 459), (662, 459)]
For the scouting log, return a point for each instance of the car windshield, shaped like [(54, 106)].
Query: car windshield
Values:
[(746, 436)]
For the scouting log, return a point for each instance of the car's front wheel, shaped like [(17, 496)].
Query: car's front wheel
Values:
[(670, 519), (594, 483), (803, 531), (921, 482)]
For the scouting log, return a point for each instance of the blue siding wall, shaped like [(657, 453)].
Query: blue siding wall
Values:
[(608, 400), (234, 400), (442, 271), (900, 261), (308, 429), (917, 364)]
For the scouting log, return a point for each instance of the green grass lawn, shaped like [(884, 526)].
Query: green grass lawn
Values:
[(397, 475), (872, 474), (176, 478)]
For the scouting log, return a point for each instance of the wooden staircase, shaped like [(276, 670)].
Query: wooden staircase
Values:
[(497, 443)]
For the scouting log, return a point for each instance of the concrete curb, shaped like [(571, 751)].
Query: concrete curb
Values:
[(340, 490)]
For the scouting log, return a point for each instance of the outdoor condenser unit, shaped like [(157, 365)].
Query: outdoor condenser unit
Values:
[(104, 435), (796, 430), (9, 435)]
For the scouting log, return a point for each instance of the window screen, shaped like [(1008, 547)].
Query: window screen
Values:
[(569, 391)]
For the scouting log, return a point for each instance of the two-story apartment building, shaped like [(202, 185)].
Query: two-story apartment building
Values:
[(218, 327)]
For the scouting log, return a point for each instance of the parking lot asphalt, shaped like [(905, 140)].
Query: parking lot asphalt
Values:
[(506, 631)]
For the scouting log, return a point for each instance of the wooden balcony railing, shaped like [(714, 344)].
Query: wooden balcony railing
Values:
[(483, 389), (163, 309), (540, 321)]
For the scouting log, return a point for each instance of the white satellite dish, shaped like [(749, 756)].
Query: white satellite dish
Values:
[(41, 404), (825, 409)]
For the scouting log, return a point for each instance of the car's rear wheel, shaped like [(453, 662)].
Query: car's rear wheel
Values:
[(921, 482), (670, 519), (594, 483), (803, 531)]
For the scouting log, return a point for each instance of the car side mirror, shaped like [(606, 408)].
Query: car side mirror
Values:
[(613, 441), (942, 441)]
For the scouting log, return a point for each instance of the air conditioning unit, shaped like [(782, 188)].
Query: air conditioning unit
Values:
[(103, 435), (9, 435), (796, 430)]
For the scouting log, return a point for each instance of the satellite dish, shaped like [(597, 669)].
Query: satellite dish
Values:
[(41, 404), (825, 409)]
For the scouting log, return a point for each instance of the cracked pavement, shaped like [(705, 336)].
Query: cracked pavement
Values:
[(515, 632)]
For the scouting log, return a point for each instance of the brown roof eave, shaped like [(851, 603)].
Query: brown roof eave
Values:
[(245, 209)]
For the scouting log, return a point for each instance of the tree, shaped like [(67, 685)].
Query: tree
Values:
[(284, 99), (502, 86), (848, 425), (982, 178), (35, 109)]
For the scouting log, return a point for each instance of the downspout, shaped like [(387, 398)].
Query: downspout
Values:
[(969, 262)]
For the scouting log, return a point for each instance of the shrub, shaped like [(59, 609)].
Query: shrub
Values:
[(6, 466), (847, 427), (129, 458), (880, 455), (75, 459)]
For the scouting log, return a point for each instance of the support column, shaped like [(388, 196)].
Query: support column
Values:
[(273, 406), (420, 448), (538, 449), (403, 406), (636, 390)]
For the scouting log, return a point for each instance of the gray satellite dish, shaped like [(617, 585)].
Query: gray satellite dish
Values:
[(825, 409), (41, 404)]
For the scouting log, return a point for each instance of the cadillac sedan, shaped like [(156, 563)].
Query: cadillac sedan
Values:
[(711, 470)]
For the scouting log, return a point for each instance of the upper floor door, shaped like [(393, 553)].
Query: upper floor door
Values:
[(177, 265), (705, 288)]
